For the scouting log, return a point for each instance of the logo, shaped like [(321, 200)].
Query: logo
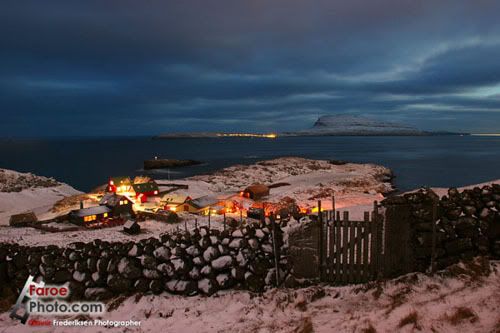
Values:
[(41, 299)]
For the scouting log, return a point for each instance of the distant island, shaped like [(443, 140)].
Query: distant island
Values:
[(337, 125)]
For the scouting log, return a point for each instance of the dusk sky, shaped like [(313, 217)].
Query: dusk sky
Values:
[(147, 67)]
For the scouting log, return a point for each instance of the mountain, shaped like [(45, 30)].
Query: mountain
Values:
[(340, 125), (355, 125)]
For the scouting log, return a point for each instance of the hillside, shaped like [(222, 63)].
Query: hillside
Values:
[(355, 125), (21, 192)]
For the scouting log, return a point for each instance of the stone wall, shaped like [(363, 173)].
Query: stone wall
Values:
[(195, 262), (468, 224)]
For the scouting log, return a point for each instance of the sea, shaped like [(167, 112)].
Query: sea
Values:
[(419, 161)]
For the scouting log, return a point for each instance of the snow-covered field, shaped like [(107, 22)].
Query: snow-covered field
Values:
[(463, 298), (356, 186), (307, 181), (21, 192)]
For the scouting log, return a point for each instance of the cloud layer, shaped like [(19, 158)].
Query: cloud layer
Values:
[(128, 67)]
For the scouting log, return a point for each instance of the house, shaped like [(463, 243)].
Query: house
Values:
[(23, 219), (132, 227), (145, 190), (174, 202), (201, 205), (119, 185), (119, 205), (90, 215), (256, 192)]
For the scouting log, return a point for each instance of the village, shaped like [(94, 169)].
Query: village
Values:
[(140, 206), (130, 200)]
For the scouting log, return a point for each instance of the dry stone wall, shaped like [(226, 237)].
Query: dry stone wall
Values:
[(468, 224), (199, 261)]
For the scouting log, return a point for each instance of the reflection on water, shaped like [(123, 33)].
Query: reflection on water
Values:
[(416, 161)]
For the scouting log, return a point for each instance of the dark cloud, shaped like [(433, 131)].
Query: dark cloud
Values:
[(128, 67)]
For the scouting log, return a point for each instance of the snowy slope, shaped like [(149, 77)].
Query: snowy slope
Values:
[(463, 298), (355, 125), (21, 192)]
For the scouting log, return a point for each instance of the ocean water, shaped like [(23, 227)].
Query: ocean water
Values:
[(86, 163)]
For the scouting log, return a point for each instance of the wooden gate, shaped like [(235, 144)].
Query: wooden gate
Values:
[(350, 251)]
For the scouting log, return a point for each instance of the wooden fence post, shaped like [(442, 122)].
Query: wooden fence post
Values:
[(275, 249), (209, 218), (321, 243), (434, 220)]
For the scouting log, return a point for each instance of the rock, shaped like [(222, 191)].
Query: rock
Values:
[(222, 263), (162, 253), (129, 268), (253, 243), (241, 259), (207, 286), (259, 233), (193, 251), (80, 276), (223, 280), (207, 271), (156, 286), (180, 266), (62, 276), (102, 265), (141, 285), (237, 233), (194, 273), (20, 260), (469, 210), (119, 284), (254, 283), (97, 294), (135, 251), (210, 253), (186, 287), (199, 261), (98, 278), (151, 274), (268, 248), (237, 243), (112, 265), (166, 269), (148, 262), (170, 285)]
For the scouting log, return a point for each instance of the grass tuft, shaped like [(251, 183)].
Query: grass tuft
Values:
[(409, 319), (462, 314)]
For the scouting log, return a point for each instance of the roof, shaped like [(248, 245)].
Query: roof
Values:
[(23, 218), (204, 201), (145, 187), (112, 199), (142, 179), (228, 195), (96, 210), (121, 180), (175, 198), (258, 188)]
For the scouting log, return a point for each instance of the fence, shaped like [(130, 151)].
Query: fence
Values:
[(350, 251), (339, 250)]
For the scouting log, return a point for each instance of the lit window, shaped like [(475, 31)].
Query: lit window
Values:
[(105, 215)]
